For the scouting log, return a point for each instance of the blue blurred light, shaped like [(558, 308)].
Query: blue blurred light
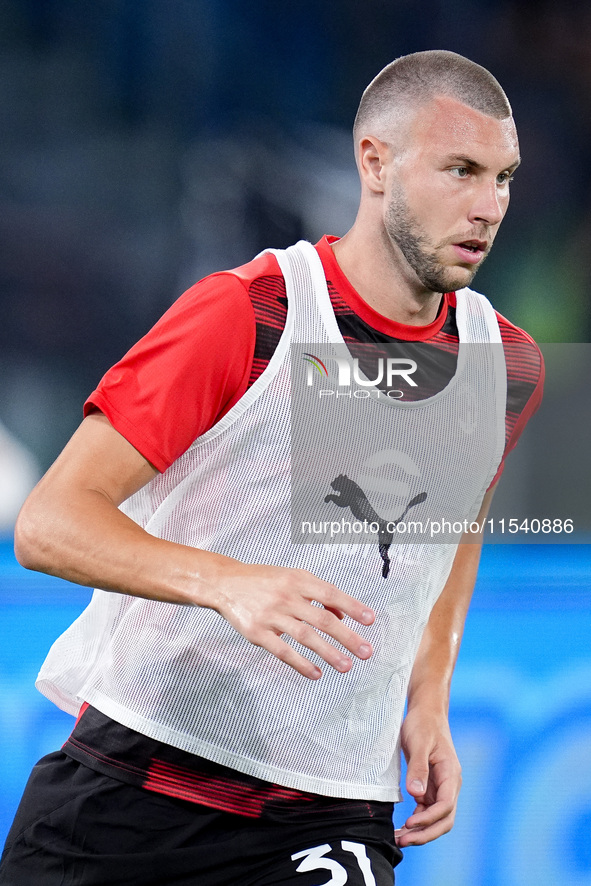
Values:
[(520, 715)]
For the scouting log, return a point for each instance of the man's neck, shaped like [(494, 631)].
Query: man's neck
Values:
[(382, 283)]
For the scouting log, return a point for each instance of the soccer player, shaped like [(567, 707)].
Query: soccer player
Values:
[(240, 697)]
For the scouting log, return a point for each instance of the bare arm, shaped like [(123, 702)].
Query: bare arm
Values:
[(71, 526), (433, 769)]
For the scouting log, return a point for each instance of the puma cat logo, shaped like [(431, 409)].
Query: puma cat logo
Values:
[(350, 495)]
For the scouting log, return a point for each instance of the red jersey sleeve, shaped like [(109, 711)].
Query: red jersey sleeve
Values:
[(185, 374), (525, 382)]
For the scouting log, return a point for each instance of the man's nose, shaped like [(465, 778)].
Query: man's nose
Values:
[(489, 205)]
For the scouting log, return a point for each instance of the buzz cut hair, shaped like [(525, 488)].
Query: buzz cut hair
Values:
[(412, 80)]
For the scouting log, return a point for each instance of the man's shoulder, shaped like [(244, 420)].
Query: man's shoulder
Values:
[(228, 287), (524, 360), (510, 332), (523, 355), (517, 339), (263, 265)]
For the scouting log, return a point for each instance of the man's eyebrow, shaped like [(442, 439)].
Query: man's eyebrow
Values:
[(474, 164), (465, 161)]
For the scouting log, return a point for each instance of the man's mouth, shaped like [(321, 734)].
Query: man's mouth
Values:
[(471, 251)]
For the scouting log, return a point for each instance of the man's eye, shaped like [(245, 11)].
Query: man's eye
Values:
[(460, 171), (504, 178)]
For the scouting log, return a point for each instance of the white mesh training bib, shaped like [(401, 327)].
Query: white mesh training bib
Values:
[(182, 675)]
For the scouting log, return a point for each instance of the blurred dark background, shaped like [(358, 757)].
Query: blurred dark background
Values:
[(146, 143)]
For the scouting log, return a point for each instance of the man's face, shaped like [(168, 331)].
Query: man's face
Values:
[(450, 191)]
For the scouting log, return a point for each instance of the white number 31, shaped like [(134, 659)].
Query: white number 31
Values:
[(314, 859)]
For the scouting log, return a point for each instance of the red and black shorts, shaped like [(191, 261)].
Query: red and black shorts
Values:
[(79, 827)]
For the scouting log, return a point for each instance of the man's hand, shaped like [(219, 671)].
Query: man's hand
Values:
[(71, 526), (264, 602), (433, 778)]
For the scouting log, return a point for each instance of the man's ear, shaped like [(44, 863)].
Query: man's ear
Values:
[(372, 161)]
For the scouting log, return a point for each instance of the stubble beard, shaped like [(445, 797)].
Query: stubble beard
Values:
[(405, 231)]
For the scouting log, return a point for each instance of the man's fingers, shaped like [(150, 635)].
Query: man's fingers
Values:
[(432, 809), (333, 598), (417, 772), (419, 836), (417, 776), (310, 627), (265, 602), (426, 823), (424, 817), (327, 623), (307, 636), (436, 791), (338, 612), (284, 652), (306, 633)]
